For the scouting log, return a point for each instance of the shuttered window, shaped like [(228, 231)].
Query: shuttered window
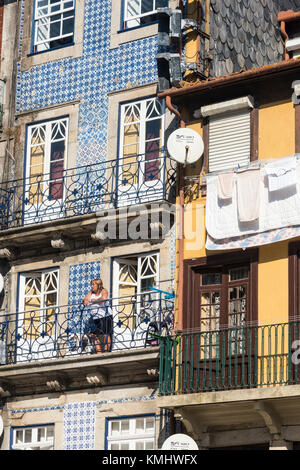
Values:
[(229, 140)]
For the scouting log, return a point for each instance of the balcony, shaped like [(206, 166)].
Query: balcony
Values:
[(78, 192), (249, 357), (69, 331)]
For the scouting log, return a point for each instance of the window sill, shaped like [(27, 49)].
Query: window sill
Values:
[(119, 37), (34, 59), (32, 54), (137, 27)]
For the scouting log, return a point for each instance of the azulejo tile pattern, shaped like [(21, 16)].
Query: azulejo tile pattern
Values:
[(100, 402), (89, 78), (79, 426), (80, 276)]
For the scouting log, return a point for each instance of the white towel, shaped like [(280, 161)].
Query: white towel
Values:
[(225, 185), (248, 195), (281, 174)]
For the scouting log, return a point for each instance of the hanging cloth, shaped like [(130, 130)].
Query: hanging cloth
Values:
[(281, 174), (248, 195), (225, 181)]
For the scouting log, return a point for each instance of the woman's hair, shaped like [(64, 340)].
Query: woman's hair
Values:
[(98, 282)]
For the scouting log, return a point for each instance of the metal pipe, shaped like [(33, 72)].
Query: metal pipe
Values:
[(181, 239)]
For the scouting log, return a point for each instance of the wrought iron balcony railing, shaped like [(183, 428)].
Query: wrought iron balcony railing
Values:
[(135, 179), (233, 358), (62, 331)]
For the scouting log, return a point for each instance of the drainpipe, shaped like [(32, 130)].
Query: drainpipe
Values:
[(285, 37), (198, 46), (181, 240)]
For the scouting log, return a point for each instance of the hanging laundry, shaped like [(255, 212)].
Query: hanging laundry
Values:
[(281, 174), (225, 185), (248, 195)]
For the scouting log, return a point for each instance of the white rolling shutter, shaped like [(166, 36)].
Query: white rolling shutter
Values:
[(229, 140)]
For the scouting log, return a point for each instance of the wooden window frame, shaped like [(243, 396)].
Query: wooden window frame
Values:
[(294, 278), (230, 260)]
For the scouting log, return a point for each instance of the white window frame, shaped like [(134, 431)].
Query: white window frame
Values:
[(140, 300), (44, 17), (142, 121), (136, 19), (43, 292), (139, 261), (47, 143), (35, 345), (139, 191), (131, 439), (46, 207), (34, 444)]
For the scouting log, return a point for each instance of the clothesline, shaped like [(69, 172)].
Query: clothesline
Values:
[(251, 165)]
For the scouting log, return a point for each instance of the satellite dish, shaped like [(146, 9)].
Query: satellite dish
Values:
[(179, 442), (185, 146)]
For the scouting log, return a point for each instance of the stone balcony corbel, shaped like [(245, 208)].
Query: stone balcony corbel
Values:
[(59, 241), (97, 379), (7, 253), (58, 384), (194, 429), (271, 418), (6, 390), (153, 372)]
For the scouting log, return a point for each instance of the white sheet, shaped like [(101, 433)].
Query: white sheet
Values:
[(282, 174), (277, 210)]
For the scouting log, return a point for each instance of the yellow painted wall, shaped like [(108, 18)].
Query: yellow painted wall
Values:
[(276, 139), (273, 283), (276, 130)]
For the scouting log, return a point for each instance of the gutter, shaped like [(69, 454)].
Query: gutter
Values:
[(286, 65)]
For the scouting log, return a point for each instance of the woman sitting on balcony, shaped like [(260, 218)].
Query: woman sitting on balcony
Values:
[(101, 323)]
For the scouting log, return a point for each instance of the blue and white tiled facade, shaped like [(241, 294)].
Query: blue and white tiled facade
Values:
[(80, 277), (79, 426), (89, 79)]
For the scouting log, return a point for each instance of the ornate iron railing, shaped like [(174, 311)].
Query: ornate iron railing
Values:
[(233, 358), (135, 179), (71, 330)]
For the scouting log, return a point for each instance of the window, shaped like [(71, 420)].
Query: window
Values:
[(142, 138), (131, 433), (139, 12), (38, 300), (229, 134), (53, 24), (45, 163), (224, 300), (33, 438), (220, 291), (135, 304)]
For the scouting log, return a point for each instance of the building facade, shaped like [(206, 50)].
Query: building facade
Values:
[(86, 193)]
